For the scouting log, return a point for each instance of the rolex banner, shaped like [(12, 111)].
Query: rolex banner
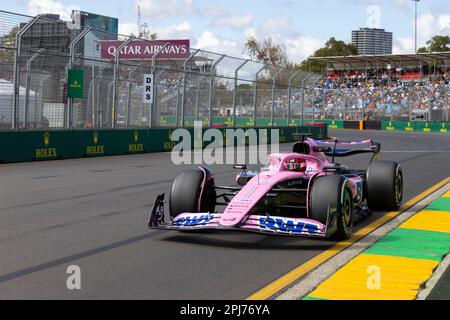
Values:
[(75, 83)]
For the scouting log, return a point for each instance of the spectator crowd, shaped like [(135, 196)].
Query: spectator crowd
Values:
[(409, 95)]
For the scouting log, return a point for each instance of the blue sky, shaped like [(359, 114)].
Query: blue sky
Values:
[(300, 26)]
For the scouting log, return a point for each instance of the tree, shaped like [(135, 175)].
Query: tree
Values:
[(437, 44), (8, 41), (147, 35), (333, 48), (266, 52)]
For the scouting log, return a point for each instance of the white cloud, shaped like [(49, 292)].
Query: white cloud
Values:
[(213, 10), (282, 31), (176, 31), (237, 22), (210, 42), (403, 4), (35, 7), (250, 32), (128, 28), (403, 45), (428, 26), (161, 9), (444, 21), (207, 40), (302, 47), (278, 28), (182, 30)]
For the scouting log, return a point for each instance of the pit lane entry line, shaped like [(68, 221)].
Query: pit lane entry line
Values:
[(279, 285)]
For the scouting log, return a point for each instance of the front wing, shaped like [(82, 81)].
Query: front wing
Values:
[(268, 225)]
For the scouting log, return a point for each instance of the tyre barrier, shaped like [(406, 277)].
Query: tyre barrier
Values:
[(372, 125), (355, 125)]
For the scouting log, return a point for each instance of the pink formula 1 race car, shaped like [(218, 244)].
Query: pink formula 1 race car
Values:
[(304, 193)]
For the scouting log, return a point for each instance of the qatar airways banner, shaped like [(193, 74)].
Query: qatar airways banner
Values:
[(146, 49)]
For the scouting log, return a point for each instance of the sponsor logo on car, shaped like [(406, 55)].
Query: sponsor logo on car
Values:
[(193, 221), (287, 226)]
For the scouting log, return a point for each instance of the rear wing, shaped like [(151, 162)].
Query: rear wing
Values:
[(340, 149)]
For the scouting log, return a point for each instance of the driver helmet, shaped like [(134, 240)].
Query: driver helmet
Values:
[(295, 165)]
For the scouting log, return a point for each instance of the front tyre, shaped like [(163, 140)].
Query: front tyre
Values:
[(193, 191), (333, 194), (384, 186)]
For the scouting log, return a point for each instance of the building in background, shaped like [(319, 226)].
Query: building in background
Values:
[(49, 33), (103, 28), (54, 35), (48, 70), (372, 41)]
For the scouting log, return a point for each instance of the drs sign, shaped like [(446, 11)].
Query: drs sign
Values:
[(148, 88)]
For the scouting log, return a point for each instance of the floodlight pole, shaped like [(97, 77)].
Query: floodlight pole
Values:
[(415, 25)]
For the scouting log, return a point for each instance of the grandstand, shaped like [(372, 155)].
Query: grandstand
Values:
[(409, 87)]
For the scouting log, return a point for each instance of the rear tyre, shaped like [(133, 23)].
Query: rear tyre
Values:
[(188, 195), (384, 186), (332, 193)]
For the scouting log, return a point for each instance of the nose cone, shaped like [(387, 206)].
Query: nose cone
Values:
[(245, 200), (235, 213)]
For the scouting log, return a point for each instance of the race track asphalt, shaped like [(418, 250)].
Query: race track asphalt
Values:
[(92, 213)]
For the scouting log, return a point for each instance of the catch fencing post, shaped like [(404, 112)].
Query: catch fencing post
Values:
[(255, 95), (410, 105), (197, 98), (447, 93), (290, 96), (274, 79), (96, 114), (75, 41), (115, 79), (447, 105), (236, 74), (27, 88), (15, 104), (303, 97), (128, 106), (155, 95), (177, 104), (183, 94), (211, 88)]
